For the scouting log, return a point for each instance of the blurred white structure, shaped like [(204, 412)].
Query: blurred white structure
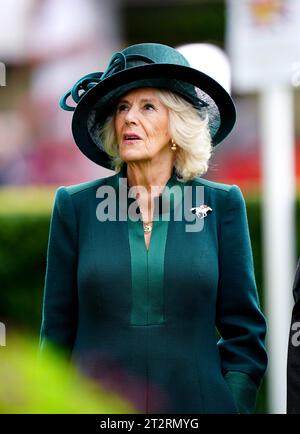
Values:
[(2, 335), (2, 74), (209, 59), (15, 17), (263, 43)]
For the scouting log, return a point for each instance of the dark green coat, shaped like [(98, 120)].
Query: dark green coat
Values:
[(144, 322)]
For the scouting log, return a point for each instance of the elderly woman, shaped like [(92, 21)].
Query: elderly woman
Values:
[(150, 286)]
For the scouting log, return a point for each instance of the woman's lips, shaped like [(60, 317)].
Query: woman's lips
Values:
[(130, 138)]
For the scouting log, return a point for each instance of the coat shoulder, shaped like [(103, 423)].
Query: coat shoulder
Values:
[(87, 186), (227, 194), (212, 185)]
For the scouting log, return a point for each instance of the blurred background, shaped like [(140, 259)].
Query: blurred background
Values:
[(47, 45)]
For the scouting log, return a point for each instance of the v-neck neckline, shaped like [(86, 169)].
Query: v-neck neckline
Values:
[(147, 272)]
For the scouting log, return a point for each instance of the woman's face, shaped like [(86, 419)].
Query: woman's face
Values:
[(142, 126)]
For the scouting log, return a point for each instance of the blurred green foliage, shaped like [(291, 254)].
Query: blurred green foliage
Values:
[(31, 384), (24, 227), (175, 24), (26, 200)]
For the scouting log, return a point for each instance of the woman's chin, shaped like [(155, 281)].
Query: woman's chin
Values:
[(132, 156)]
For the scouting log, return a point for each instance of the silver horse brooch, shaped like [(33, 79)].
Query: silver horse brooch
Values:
[(201, 211)]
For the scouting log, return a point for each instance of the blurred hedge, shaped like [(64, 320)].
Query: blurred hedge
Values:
[(24, 227)]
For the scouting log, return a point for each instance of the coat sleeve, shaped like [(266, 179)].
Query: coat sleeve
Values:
[(239, 320), (60, 302)]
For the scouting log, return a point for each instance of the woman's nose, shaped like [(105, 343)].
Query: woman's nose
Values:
[(131, 115)]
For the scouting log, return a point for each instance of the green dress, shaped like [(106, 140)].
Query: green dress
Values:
[(143, 322)]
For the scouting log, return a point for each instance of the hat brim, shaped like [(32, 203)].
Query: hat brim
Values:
[(134, 77)]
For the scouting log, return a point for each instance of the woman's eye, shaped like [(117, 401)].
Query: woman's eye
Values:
[(149, 106), (121, 107)]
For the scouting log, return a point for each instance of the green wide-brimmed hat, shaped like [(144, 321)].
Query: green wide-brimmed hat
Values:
[(143, 65)]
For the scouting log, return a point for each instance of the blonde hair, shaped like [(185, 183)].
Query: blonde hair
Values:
[(188, 129)]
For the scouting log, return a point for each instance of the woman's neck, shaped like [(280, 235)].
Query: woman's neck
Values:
[(148, 177), (147, 183)]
